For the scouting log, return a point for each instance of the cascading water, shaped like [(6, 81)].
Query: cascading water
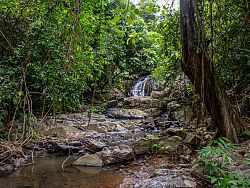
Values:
[(143, 87)]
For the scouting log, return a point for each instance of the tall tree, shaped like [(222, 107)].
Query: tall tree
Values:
[(199, 68)]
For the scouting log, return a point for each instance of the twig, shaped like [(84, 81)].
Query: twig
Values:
[(13, 119), (10, 152), (32, 158), (6, 39), (65, 160), (45, 115)]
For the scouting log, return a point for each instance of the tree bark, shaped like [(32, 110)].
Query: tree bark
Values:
[(199, 68)]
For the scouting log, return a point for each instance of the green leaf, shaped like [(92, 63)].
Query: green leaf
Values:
[(130, 20), (116, 19), (117, 11), (234, 182), (149, 9), (128, 40), (124, 15), (133, 42), (213, 179)]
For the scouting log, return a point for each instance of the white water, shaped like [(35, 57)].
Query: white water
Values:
[(139, 89)]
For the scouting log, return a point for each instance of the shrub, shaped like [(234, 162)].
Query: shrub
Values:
[(216, 158)]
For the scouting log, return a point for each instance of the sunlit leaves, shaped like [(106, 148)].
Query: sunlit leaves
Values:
[(130, 20), (168, 27), (70, 49), (116, 19)]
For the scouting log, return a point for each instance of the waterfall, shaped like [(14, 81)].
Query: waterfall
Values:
[(143, 87)]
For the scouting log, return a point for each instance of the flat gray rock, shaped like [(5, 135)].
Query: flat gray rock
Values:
[(167, 178), (89, 160)]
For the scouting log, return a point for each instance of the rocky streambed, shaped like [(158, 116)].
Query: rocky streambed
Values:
[(130, 128)]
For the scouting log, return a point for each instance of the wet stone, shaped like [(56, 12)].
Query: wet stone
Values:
[(94, 145), (177, 132), (141, 147), (89, 160), (165, 178), (116, 154)]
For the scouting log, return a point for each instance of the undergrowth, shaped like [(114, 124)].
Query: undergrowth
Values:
[(216, 159)]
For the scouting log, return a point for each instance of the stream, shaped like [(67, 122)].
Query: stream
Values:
[(47, 173), (129, 130)]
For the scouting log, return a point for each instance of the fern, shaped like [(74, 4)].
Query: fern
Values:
[(215, 158)]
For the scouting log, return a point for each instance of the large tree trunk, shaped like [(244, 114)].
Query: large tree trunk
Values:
[(197, 65)]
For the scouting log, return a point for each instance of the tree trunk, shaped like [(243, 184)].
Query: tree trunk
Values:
[(197, 65)]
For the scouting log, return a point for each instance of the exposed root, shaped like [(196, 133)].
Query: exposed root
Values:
[(7, 151)]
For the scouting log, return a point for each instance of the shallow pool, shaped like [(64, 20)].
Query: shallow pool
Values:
[(48, 173)]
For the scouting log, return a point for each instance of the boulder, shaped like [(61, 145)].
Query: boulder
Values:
[(98, 127), (148, 121), (94, 145), (142, 146), (111, 104), (153, 112), (179, 114), (165, 178), (121, 113), (63, 132), (173, 106), (89, 160), (166, 172), (158, 94), (185, 150), (200, 172), (193, 140), (172, 143), (67, 147), (116, 154), (143, 102), (60, 146), (177, 132), (106, 126), (163, 123)]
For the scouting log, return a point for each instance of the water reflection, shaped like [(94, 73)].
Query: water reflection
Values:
[(47, 173)]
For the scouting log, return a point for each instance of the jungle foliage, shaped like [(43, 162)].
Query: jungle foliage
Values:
[(56, 53), (216, 159)]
